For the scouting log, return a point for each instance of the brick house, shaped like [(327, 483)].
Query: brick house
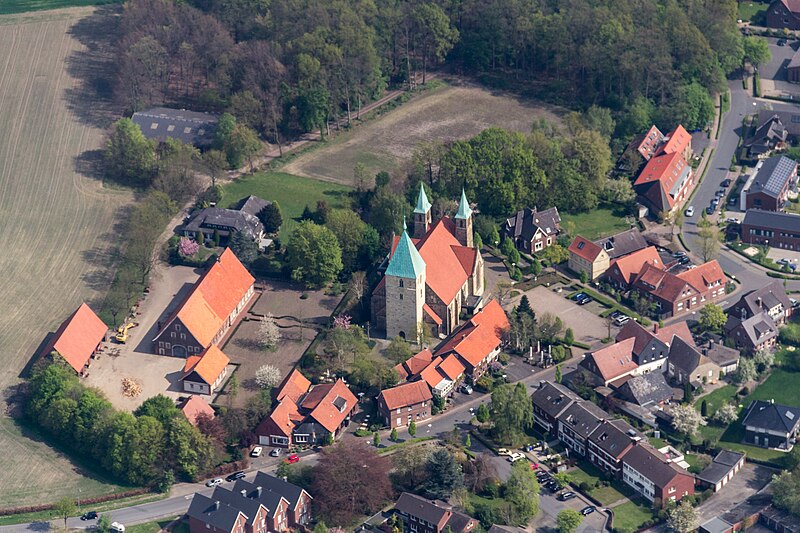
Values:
[(770, 299), (771, 425), (648, 471), (208, 312), (193, 407), (769, 228), (532, 230), (299, 508), (758, 332), (441, 374), (206, 514), (549, 401), (221, 223), (610, 363), (400, 405), (203, 373), (677, 294), (784, 14), (622, 271), (768, 187), (576, 423), (686, 364), (78, 339), (586, 256), (421, 515), (651, 348), (609, 443)]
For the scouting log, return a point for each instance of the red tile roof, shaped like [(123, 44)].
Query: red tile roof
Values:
[(704, 275), (431, 313), (294, 386), (77, 337), (336, 404), (665, 169), (414, 364), (630, 265), (286, 416), (615, 360), (431, 374), (445, 271), (660, 283), (650, 143), (405, 395), (215, 296), (585, 248), (641, 335), (194, 407), (679, 140), (681, 329), (451, 367), (479, 336), (208, 365)]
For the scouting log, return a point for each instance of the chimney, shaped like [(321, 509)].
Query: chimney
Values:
[(244, 492), (258, 491), (655, 328), (216, 505), (758, 302)]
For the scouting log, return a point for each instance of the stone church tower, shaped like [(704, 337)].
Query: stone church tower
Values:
[(422, 214), (405, 285), (463, 220)]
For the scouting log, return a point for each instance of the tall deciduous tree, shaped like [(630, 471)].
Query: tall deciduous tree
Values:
[(512, 413), (129, 156), (522, 492), (568, 520), (683, 518), (271, 217), (436, 36), (712, 318), (756, 51), (65, 507), (315, 257)]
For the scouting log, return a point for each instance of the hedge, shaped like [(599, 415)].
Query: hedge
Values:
[(84, 501)]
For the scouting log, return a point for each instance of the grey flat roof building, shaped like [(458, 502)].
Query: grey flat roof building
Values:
[(189, 127)]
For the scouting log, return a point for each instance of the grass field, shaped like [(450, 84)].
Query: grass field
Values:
[(755, 12), (447, 113), (292, 193), (601, 222), (631, 515), (8, 7), (57, 223), (155, 527)]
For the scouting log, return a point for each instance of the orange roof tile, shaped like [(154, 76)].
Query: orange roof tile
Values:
[(194, 407), (615, 360), (584, 248), (665, 169), (208, 365), (445, 273), (77, 337), (679, 139), (336, 405), (650, 142), (478, 337), (680, 329), (431, 374), (704, 275), (417, 363), (630, 265), (405, 395), (214, 298), (286, 416), (431, 313), (294, 386), (451, 367)]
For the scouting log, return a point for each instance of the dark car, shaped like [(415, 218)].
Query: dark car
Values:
[(236, 475), (709, 210), (585, 300), (726, 183), (684, 260), (579, 296), (781, 42), (89, 515), (588, 510)]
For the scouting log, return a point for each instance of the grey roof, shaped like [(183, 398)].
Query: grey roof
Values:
[(213, 512), (720, 466), (771, 129), (613, 437), (252, 205), (767, 297), (234, 498), (683, 355), (288, 490), (190, 127), (727, 457), (759, 328), (553, 398), (582, 417), (650, 388), (715, 525), (722, 355), (775, 172), (651, 463), (226, 220), (772, 416), (259, 495), (795, 61), (420, 507), (526, 222), (789, 119), (623, 243), (772, 220), (458, 522)]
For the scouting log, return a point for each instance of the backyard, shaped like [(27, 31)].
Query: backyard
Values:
[(606, 495), (293, 194), (600, 222), (630, 516), (754, 12)]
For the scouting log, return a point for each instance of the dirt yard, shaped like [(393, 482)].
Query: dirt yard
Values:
[(445, 114), (57, 219)]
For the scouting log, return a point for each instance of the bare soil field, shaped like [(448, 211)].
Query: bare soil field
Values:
[(58, 221), (445, 114)]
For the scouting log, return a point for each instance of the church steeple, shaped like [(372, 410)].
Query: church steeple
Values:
[(422, 213), (464, 210), (463, 221)]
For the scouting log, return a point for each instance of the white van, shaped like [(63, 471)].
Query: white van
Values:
[(116, 526)]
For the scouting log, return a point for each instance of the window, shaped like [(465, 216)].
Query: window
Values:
[(401, 283), (177, 327), (183, 336), (172, 334), (401, 296)]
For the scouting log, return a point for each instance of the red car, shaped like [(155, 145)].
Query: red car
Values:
[(292, 459), (534, 466)]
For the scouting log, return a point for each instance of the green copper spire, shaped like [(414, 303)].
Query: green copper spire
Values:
[(406, 261), (423, 205), (464, 211)]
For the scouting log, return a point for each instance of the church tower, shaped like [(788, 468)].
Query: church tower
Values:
[(422, 214), (463, 221), (405, 289)]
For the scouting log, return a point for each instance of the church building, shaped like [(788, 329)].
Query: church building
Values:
[(431, 277)]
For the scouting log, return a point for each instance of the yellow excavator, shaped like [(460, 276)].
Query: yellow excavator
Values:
[(122, 331)]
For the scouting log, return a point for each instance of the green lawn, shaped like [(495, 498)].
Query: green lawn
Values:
[(600, 222), (588, 473), (716, 399), (631, 516), (293, 193), (755, 12), (155, 527), (22, 6)]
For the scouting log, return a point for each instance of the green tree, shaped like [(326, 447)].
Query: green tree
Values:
[(568, 520), (225, 126), (399, 350), (683, 518), (244, 247), (483, 413), (524, 305), (512, 413), (756, 51), (786, 491), (242, 145), (704, 408), (444, 475), (412, 429), (376, 439), (468, 442), (65, 507), (393, 435), (314, 255), (271, 217), (522, 492), (709, 238), (129, 157), (103, 524), (746, 371), (558, 376), (712, 318), (351, 233), (435, 33), (695, 108), (159, 407), (569, 337), (386, 211)]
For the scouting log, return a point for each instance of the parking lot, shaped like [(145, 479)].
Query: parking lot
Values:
[(750, 479), (774, 74)]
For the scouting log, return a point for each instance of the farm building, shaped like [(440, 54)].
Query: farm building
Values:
[(189, 127), (78, 338), (202, 374)]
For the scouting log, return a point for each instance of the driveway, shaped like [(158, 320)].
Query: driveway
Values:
[(750, 479)]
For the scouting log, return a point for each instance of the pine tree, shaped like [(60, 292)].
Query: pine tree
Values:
[(524, 305), (559, 377), (412, 429)]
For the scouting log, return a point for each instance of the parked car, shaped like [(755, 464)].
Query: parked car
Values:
[(503, 451), (689, 211), (236, 475), (621, 320), (256, 451), (552, 486), (89, 515), (684, 260), (213, 482), (679, 253), (585, 300), (568, 495), (588, 510), (534, 466), (276, 452), (732, 200), (117, 527), (579, 296), (781, 42), (292, 459), (726, 183), (709, 210), (720, 193), (466, 388), (731, 220), (516, 456)]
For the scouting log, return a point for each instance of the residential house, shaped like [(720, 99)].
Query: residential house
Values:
[(610, 363), (209, 311), (727, 359), (723, 467), (648, 144), (771, 425), (421, 515), (675, 294), (306, 415), (193, 407), (411, 368), (221, 224), (609, 443), (771, 298), (78, 339), (784, 14), (768, 186), (770, 135), (189, 127), (648, 472), (206, 514), (532, 230), (576, 423), (651, 348), (431, 277), (759, 332), (789, 119), (665, 182), (204, 373), (264, 510), (769, 228), (400, 405), (441, 374), (647, 390), (622, 243), (623, 270), (299, 509), (586, 256), (549, 401), (686, 364), (478, 342)]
